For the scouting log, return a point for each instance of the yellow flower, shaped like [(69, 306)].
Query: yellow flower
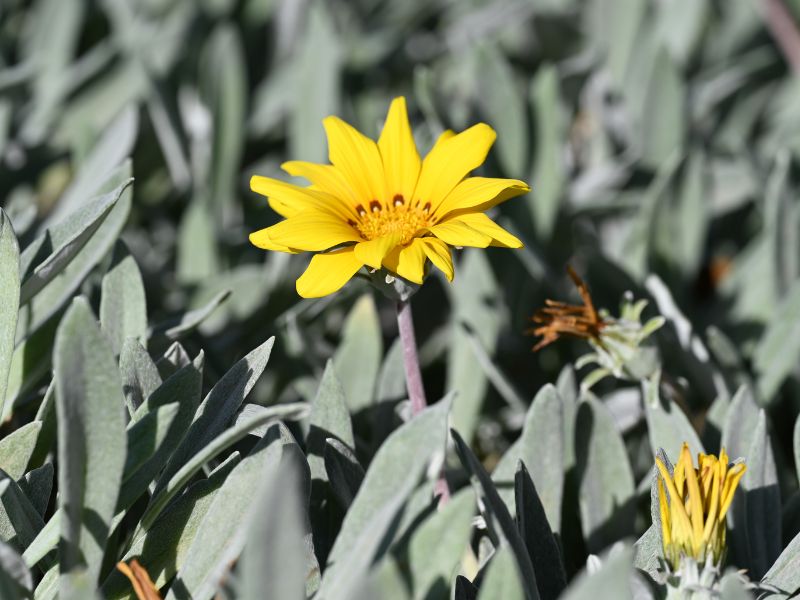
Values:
[(380, 205), (693, 504)]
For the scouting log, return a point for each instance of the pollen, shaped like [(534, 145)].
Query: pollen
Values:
[(390, 217)]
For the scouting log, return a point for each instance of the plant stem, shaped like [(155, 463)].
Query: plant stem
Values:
[(416, 391), (405, 324), (780, 23)]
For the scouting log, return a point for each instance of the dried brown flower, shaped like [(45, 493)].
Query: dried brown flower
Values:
[(559, 318), (143, 586)]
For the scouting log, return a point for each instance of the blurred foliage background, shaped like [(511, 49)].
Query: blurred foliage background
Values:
[(661, 139)]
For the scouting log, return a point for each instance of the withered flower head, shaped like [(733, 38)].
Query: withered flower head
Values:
[(143, 586), (559, 318)]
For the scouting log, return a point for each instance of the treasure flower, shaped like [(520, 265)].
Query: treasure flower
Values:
[(693, 503), (379, 205)]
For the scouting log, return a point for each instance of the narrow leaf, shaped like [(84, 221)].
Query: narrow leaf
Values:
[(91, 437), (607, 491), (506, 528), (535, 531), (9, 298), (123, 310), (358, 358)]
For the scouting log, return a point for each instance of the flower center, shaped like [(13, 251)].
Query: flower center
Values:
[(380, 219)]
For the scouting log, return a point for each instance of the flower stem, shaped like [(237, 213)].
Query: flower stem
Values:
[(405, 324), (416, 391), (781, 25)]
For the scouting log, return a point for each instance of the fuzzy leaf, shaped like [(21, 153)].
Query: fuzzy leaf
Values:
[(16, 449), (162, 550), (606, 497), (123, 309), (503, 579), (503, 523), (757, 509), (140, 377), (357, 360), (222, 532), (667, 425), (344, 471), (53, 296), (541, 446), (272, 562), (50, 253), (329, 418), (612, 579), (785, 572), (407, 450), (91, 437), (535, 531), (436, 546), (548, 169), (475, 297), (9, 299), (778, 350), (218, 408)]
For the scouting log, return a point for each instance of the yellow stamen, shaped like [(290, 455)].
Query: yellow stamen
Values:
[(380, 219)]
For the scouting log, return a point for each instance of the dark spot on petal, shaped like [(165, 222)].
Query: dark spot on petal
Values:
[(427, 207), (399, 200), (360, 210), (375, 206)]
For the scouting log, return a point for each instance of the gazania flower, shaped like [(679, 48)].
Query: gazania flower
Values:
[(693, 504), (379, 205)]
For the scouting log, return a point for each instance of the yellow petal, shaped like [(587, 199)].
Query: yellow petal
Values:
[(695, 500), (401, 162), (408, 261), (327, 178), (449, 161), (372, 253), (358, 159), (439, 254), (663, 508), (723, 461), (312, 231), (327, 273), (288, 200), (458, 233), (478, 194), (708, 468), (679, 477), (713, 505), (680, 520), (261, 239), (729, 488), (484, 225)]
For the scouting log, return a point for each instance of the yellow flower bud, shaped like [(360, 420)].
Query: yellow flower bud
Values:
[(693, 503)]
